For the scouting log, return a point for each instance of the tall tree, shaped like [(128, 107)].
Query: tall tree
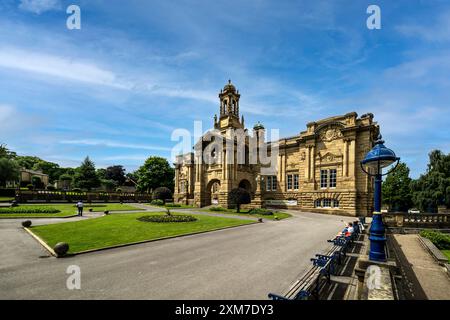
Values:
[(6, 153), (432, 189), (52, 169), (396, 189), (116, 173), (86, 176), (156, 172), (9, 171)]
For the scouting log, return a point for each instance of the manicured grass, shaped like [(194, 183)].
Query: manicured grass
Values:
[(119, 229), (6, 199), (67, 210), (447, 254), (245, 213)]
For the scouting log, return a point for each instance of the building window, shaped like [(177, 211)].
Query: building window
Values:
[(271, 183), (326, 203), (295, 181), (332, 178), (323, 178), (289, 182)]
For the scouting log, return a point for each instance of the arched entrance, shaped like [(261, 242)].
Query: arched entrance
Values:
[(212, 192)]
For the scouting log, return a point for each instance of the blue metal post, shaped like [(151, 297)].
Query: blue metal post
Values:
[(377, 231)]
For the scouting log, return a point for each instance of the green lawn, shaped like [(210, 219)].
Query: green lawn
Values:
[(447, 254), (119, 229), (182, 206), (67, 210), (244, 213)]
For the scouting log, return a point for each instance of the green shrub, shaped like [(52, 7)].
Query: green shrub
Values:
[(30, 186), (173, 205), (261, 211), (217, 209), (157, 202), (51, 188), (439, 239), (29, 210), (167, 218), (76, 190)]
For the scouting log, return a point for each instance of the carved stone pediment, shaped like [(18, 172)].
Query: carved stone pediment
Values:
[(329, 157)]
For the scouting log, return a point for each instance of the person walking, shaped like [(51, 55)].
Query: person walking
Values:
[(80, 208)]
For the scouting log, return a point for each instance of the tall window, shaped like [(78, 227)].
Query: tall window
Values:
[(295, 181), (271, 184), (332, 178), (323, 178), (289, 182)]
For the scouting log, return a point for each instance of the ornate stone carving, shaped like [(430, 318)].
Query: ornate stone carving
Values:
[(330, 134)]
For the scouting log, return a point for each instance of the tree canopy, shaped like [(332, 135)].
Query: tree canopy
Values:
[(9, 171), (432, 189), (396, 190), (86, 176), (156, 172)]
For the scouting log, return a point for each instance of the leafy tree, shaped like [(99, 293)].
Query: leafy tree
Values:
[(101, 173), (116, 173), (239, 196), (6, 153), (9, 171), (396, 189), (162, 193), (28, 162), (52, 169), (131, 179), (86, 177), (156, 172), (109, 184), (432, 189)]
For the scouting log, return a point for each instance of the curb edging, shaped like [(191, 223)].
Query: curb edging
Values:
[(42, 242)]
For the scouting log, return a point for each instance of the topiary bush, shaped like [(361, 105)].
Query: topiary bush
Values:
[(26, 223), (162, 193), (167, 218), (29, 210), (439, 239), (61, 249), (239, 196), (217, 209)]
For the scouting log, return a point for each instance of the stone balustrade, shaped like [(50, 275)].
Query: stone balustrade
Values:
[(416, 220)]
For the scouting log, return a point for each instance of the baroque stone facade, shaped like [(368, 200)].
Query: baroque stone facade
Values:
[(316, 171)]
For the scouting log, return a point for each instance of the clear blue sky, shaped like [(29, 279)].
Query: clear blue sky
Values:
[(116, 89)]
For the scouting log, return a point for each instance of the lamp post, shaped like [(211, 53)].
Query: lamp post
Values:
[(376, 159)]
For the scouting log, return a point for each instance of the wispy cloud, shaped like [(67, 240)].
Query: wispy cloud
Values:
[(438, 30), (113, 144), (57, 66), (40, 6)]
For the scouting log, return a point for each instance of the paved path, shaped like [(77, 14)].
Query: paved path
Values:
[(245, 262), (431, 276)]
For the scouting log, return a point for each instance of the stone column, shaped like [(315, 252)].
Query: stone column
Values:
[(345, 160), (352, 159), (313, 164)]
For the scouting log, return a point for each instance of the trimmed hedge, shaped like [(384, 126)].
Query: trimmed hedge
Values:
[(439, 239), (29, 210), (157, 202), (167, 218), (173, 205), (217, 209), (261, 211)]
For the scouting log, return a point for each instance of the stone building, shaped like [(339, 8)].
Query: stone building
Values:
[(317, 170)]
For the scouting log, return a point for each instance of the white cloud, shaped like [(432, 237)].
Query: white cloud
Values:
[(113, 144), (39, 6), (56, 66)]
